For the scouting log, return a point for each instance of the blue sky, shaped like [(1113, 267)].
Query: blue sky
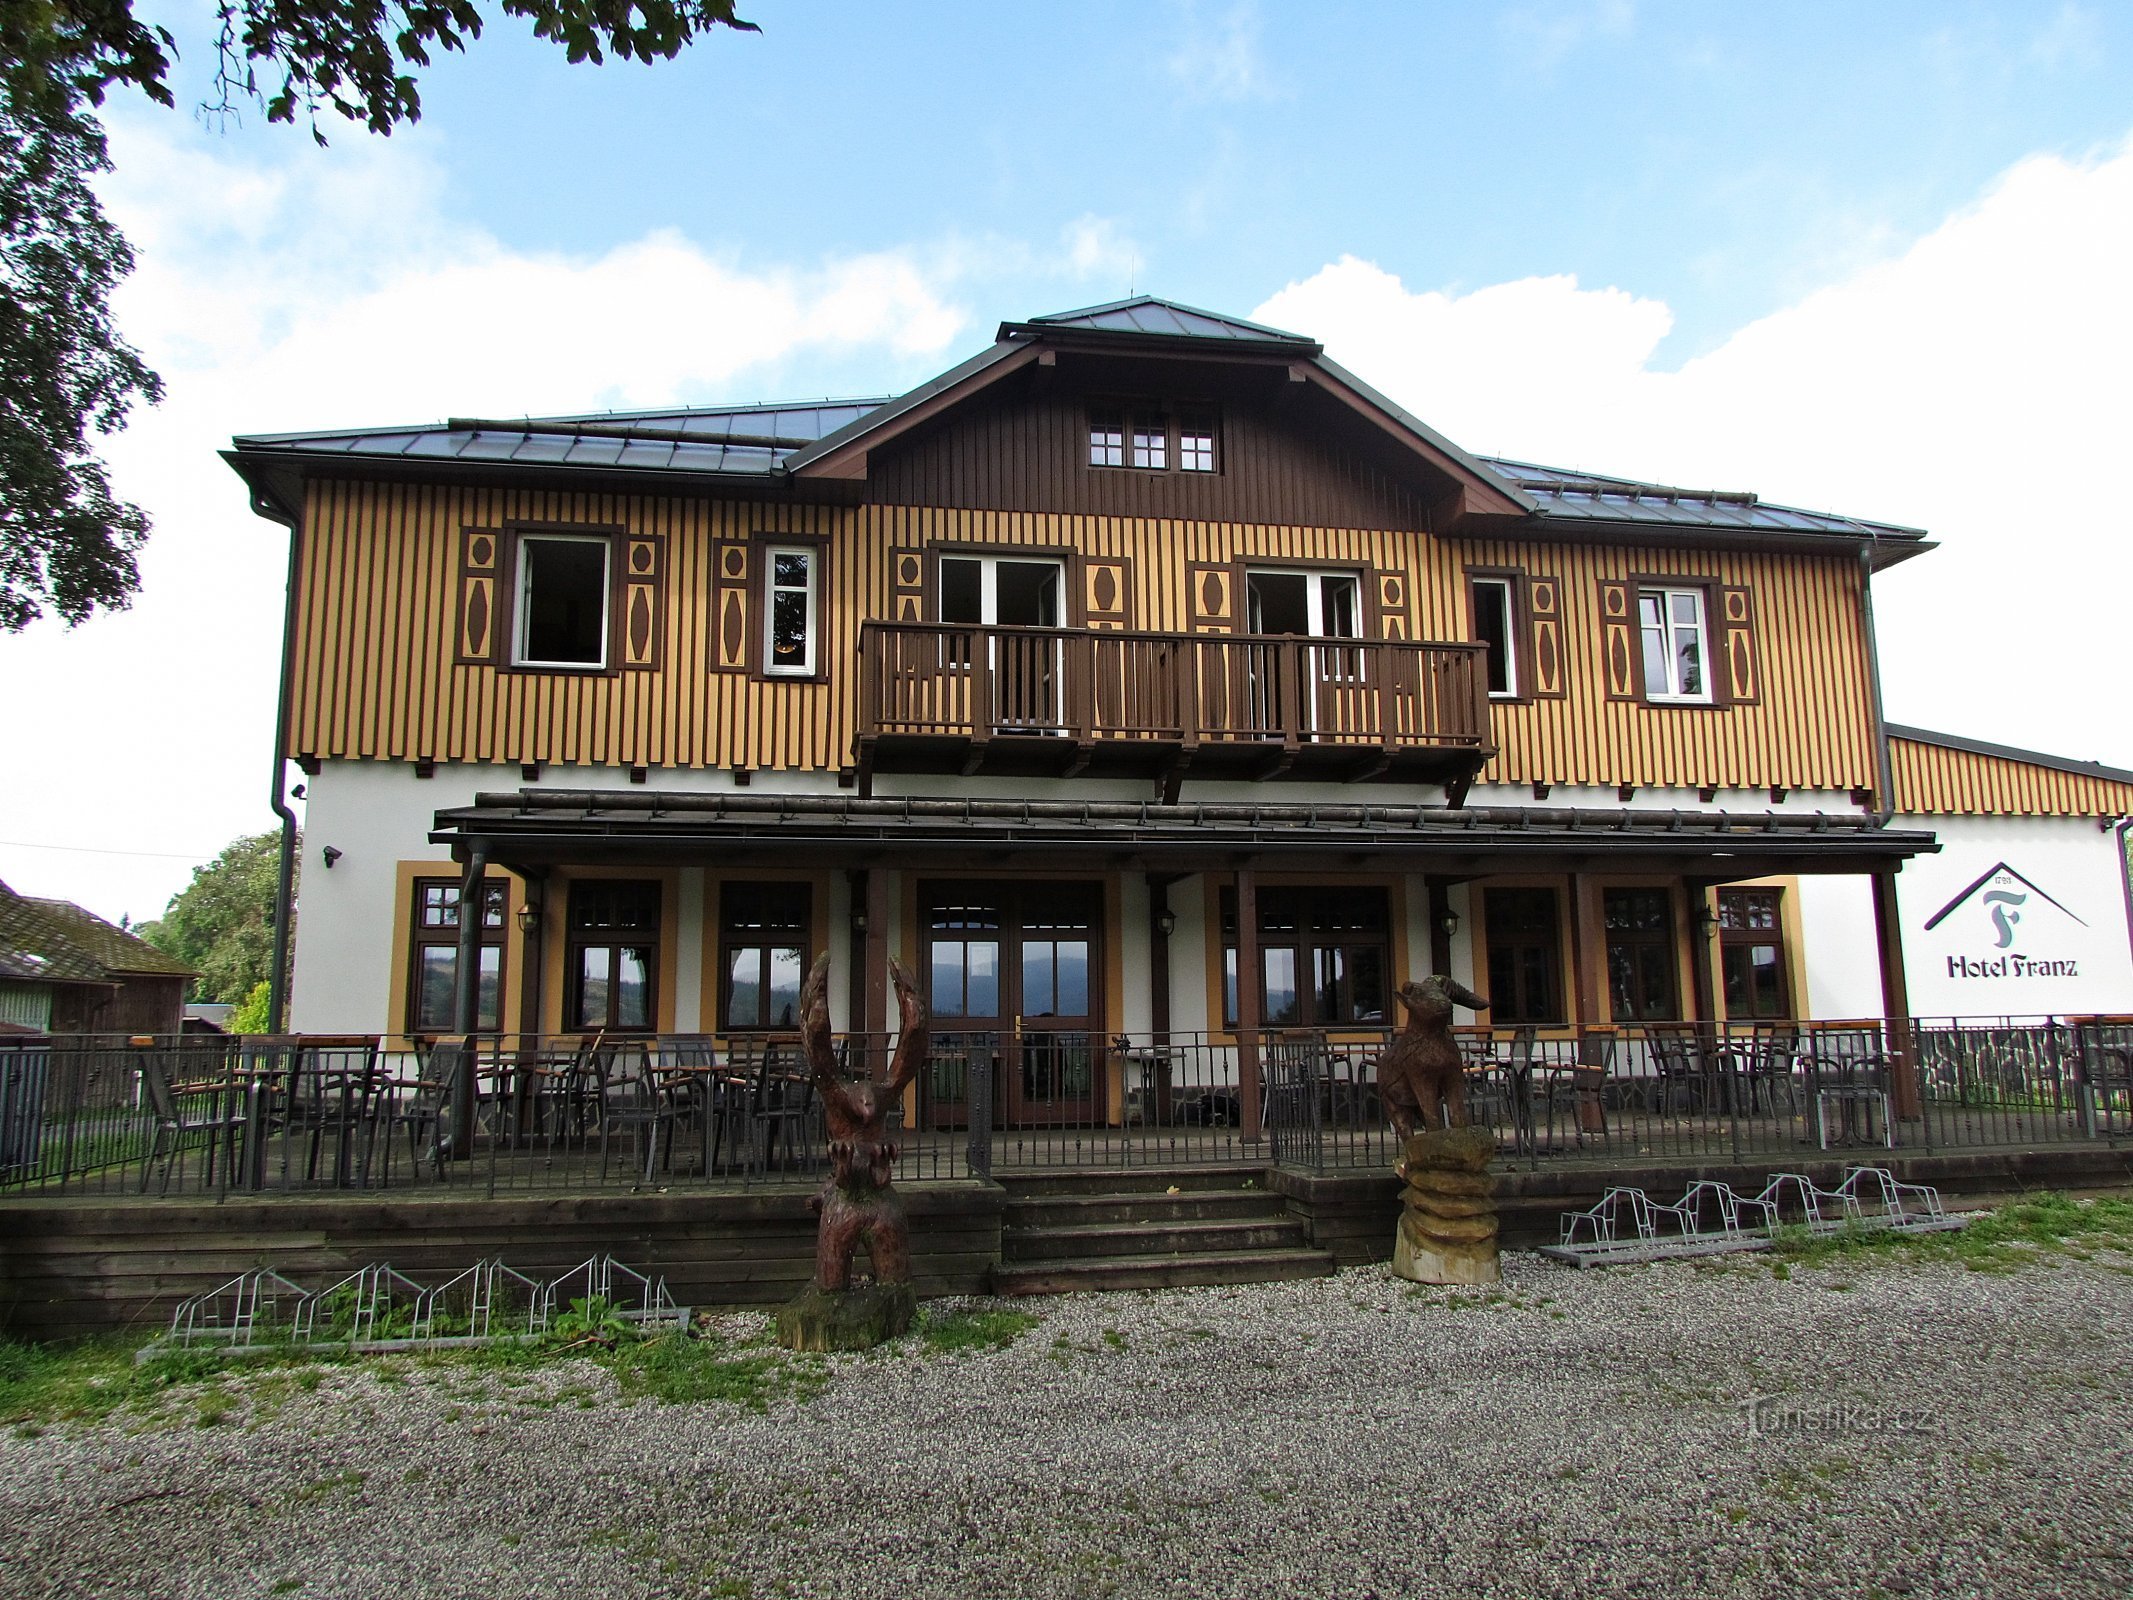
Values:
[(1869, 258)]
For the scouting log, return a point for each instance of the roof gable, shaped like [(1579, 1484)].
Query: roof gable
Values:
[(1145, 314)]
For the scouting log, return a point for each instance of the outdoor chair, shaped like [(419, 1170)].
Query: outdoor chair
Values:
[(2106, 1087), (1679, 1085), (320, 1087), (777, 1117), (1293, 1112), (684, 1069), (430, 1112), (205, 1112), (632, 1103), (1581, 1092), (1848, 1077)]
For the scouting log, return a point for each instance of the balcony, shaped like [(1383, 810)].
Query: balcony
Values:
[(1063, 702)]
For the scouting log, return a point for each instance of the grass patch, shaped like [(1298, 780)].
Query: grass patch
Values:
[(683, 1371), (91, 1380), (948, 1333), (2020, 1232)]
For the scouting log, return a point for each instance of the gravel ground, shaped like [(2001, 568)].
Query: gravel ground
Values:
[(1933, 1431)]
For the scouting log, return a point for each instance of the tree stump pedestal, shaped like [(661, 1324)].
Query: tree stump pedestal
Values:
[(1447, 1231), (857, 1318)]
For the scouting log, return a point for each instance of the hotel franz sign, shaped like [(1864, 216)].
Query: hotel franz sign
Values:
[(2011, 929)]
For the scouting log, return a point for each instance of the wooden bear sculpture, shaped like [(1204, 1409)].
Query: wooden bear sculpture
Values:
[(1421, 1078)]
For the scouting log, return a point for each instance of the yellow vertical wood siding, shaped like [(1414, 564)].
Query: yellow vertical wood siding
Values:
[(374, 673), (1933, 780)]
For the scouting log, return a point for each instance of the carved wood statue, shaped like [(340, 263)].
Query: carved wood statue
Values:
[(856, 1203), (1421, 1077)]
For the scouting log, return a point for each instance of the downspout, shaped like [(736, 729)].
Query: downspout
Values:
[(285, 879), (2125, 870), (1884, 782)]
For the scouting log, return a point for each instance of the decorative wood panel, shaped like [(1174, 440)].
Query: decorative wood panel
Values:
[(1618, 641), (907, 585), (1544, 636), (1211, 597), (1743, 677), (1933, 780), (643, 600), (1107, 591), (481, 556), (732, 606), (1389, 594)]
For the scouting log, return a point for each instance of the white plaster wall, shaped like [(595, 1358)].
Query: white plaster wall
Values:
[(1961, 967), (1838, 947), (1135, 1004), (1189, 956)]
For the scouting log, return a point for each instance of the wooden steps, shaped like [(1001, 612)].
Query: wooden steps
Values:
[(1125, 1229)]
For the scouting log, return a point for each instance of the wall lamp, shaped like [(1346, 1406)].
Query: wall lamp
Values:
[(1448, 922), (859, 921), (1166, 922), (529, 917), (1706, 919)]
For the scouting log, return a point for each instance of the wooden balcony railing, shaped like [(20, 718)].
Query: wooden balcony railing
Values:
[(1114, 700)]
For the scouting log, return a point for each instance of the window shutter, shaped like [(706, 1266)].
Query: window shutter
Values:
[(1742, 674), (907, 586), (1107, 591), (1211, 597), (643, 584), (732, 607), (1388, 595), (1618, 640), (481, 553), (1544, 638)]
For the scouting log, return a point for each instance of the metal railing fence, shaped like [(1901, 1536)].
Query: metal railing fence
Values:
[(499, 1115)]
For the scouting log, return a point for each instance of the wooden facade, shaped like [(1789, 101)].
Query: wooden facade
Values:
[(394, 657), (1941, 780)]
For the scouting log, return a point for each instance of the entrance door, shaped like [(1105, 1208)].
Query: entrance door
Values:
[(1012, 981), (1011, 592), (1308, 605)]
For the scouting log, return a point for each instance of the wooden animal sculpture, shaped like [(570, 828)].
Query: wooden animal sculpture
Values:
[(1420, 1076), (856, 1203)]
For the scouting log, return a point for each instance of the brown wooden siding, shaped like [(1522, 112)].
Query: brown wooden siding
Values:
[(375, 645), (1033, 454), (1932, 780)]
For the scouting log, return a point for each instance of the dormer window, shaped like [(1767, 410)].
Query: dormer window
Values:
[(1152, 440)]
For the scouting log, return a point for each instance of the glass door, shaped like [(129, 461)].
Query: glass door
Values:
[(1307, 605), (1012, 984), (1024, 669)]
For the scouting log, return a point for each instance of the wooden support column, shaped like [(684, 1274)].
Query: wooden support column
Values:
[(855, 950), (466, 994), (1158, 956), (877, 958), (1440, 942), (1248, 978), (1703, 985), (1895, 996), (1588, 950)]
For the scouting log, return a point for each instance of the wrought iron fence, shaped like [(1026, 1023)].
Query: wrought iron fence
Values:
[(524, 1113)]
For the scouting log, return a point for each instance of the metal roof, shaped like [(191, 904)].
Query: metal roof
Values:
[(767, 442), (1146, 314), (1590, 497), (530, 821), (593, 439)]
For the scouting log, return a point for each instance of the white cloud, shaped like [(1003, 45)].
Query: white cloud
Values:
[(1973, 385), (327, 288), (1218, 56)]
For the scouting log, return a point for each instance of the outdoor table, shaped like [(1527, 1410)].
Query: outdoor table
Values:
[(1144, 1067)]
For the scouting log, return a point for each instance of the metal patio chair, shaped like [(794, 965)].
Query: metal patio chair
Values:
[(209, 1113), (431, 1110)]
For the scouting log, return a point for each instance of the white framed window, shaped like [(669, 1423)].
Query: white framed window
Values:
[(1196, 444), (562, 601), (1151, 443), (793, 575), (1496, 628), (1107, 441), (1674, 629)]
